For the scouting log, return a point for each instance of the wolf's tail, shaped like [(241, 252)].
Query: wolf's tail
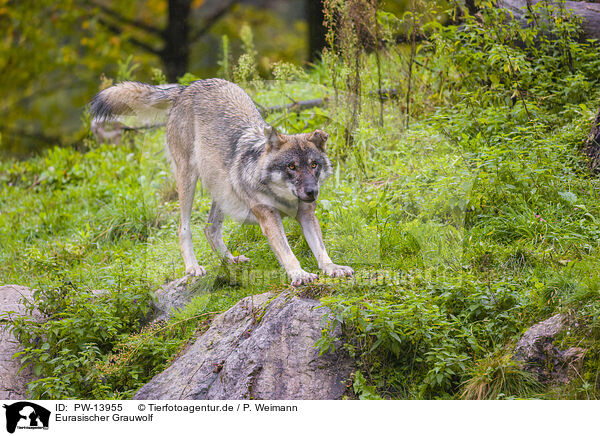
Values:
[(134, 98)]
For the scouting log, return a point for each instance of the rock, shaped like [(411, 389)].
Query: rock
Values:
[(262, 348), (13, 386), (173, 296), (538, 354), (534, 340)]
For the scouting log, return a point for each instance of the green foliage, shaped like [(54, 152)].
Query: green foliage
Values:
[(245, 72), (76, 331), (362, 389), (423, 334), (187, 78), (225, 62), (126, 69), (52, 57), (158, 76), (541, 67), (138, 356)]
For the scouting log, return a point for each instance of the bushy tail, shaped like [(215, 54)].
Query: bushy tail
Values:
[(134, 98)]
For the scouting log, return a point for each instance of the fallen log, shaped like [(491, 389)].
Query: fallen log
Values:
[(591, 147), (589, 13)]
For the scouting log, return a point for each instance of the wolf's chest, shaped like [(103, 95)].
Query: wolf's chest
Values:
[(237, 210)]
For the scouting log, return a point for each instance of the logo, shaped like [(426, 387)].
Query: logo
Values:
[(26, 415)]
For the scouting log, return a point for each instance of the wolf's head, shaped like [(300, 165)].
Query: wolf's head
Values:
[(296, 163)]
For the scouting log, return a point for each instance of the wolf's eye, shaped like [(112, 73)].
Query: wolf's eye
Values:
[(313, 165), (292, 166)]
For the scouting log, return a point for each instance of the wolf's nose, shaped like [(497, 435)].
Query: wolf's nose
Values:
[(312, 193)]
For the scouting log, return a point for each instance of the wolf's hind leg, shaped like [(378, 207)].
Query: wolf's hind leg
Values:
[(214, 234), (186, 188)]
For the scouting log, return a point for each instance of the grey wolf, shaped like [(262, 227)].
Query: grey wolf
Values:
[(253, 173)]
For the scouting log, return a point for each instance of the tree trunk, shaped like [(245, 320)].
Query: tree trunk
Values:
[(175, 54), (316, 30), (471, 7), (177, 37), (588, 12), (592, 146)]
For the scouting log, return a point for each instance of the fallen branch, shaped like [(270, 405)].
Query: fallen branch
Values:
[(115, 128), (297, 106)]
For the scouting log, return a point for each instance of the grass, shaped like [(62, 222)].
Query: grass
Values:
[(439, 253), (498, 376)]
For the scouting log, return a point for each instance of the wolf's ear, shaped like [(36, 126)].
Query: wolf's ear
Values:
[(274, 138), (319, 138)]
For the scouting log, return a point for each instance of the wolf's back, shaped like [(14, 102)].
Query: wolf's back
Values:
[(134, 98)]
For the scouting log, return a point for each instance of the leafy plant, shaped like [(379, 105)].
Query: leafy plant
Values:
[(76, 330)]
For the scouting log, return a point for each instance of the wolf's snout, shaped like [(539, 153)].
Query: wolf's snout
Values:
[(310, 194)]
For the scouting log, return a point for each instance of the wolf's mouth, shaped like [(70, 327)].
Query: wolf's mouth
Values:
[(308, 198)]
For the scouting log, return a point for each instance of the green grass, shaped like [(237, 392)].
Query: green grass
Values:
[(451, 266)]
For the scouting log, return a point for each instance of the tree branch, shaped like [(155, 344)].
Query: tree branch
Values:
[(118, 30), (129, 21), (52, 140), (211, 20)]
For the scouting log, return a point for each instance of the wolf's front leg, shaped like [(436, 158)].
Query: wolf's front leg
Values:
[(312, 233), (272, 227)]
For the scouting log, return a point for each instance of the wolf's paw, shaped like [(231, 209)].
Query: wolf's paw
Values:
[(301, 277), (195, 271), (333, 270), (238, 259)]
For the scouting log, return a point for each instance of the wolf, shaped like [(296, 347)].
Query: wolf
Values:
[(254, 173)]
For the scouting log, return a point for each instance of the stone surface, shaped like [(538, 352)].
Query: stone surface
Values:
[(262, 348), (13, 386), (173, 296), (538, 354)]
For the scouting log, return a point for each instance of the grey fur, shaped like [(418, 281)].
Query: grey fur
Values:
[(253, 173), (131, 98)]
